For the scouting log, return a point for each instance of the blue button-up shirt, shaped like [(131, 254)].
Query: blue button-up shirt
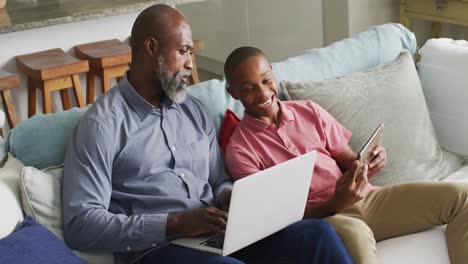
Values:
[(129, 164)]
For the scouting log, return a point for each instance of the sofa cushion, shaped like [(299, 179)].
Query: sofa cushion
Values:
[(373, 47), (41, 140), (390, 93), (10, 204), (428, 247), (41, 198), (442, 70), (32, 243)]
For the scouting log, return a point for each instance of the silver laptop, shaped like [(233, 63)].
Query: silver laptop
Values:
[(261, 205)]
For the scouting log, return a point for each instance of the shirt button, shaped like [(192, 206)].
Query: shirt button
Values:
[(173, 148), (153, 245), (129, 248), (182, 174)]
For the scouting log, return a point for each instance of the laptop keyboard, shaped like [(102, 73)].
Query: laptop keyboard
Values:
[(214, 242)]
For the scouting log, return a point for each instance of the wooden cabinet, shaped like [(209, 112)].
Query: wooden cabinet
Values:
[(436, 11)]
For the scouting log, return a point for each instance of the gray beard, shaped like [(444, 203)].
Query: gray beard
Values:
[(173, 86)]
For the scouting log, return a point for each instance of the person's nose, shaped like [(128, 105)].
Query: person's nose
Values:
[(264, 92), (189, 62)]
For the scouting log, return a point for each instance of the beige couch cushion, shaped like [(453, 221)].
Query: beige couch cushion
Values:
[(41, 198), (10, 205), (390, 93)]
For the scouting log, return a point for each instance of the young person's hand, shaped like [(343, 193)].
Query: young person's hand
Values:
[(197, 222), (378, 160), (350, 187), (225, 199)]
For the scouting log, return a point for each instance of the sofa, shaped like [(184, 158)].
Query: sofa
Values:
[(361, 80)]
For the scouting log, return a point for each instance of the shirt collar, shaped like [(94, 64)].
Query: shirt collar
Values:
[(260, 125), (142, 107)]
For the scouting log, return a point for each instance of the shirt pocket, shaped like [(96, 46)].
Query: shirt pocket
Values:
[(199, 152)]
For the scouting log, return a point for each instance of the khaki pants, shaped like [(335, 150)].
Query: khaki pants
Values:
[(404, 209)]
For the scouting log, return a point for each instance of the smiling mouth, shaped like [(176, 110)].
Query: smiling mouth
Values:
[(267, 103)]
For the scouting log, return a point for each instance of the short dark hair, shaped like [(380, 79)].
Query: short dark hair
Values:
[(238, 56)]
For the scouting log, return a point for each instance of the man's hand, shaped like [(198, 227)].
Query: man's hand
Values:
[(225, 199), (350, 187), (197, 222), (378, 160)]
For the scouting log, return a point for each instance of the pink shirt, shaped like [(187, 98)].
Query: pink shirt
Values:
[(305, 126)]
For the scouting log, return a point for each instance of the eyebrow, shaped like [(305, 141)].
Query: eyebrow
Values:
[(187, 46), (247, 81)]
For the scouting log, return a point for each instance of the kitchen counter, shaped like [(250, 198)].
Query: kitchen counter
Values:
[(21, 15)]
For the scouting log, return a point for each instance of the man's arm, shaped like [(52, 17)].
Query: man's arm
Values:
[(351, 185), (86, 193), (346, 158), (378, 161), (349, 189), (219, 179)]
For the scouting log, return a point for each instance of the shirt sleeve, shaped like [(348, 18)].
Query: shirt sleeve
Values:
[(239, 162), (218, 177), (86, 194), (336, 135)]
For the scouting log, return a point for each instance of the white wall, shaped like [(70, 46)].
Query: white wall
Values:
[(335, 20), (366, 13), (423, 32), (345, 18), (280, 28)]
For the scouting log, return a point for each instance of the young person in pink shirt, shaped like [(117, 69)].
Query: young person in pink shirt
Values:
[(273, 131)]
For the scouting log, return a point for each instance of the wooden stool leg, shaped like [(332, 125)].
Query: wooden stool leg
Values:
[(65, 99), (119, 78), (105, 81), (77, 90), (31, 97), (47, 99), (89, 88), (9, 108)]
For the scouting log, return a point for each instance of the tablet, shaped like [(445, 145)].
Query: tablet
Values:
[(364, 155)]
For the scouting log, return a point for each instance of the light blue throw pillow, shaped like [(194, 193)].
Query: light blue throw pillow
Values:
[(41, 140), (376, 46), (216, 99)]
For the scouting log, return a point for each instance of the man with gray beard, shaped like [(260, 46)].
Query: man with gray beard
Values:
[(174, 87), (144, 166)]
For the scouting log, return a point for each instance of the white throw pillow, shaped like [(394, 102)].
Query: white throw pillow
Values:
[(10, 204), (390, 93), (41, 198), (442, 70)]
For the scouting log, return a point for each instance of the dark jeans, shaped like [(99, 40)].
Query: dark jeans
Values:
[(307, 241)]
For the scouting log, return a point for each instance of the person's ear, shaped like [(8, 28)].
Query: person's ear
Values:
[(232, 93), (151, 47)]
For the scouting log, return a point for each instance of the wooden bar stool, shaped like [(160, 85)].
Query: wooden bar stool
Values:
[(52, 70), (107, 59), (198, 45), (9, 81)]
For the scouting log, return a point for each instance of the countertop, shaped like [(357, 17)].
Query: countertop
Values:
[(28, 14)]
